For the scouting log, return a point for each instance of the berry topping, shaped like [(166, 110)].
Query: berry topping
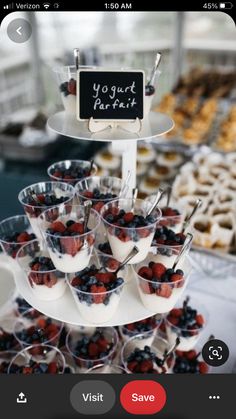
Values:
[(188, 363), (94, 347), (128, 226), (162, 279), (35, 203), (187, 319), (64, 237), (68, 87), (166, 236), (169, 212), (73, 172), (95, 285), (36, 368), (43, 330), (43, 272), (145, 361), (13, 242)]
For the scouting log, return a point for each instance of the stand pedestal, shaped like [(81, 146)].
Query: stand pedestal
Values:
[(129, 161)]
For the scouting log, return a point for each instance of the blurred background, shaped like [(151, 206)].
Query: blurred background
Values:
[(189, 42)]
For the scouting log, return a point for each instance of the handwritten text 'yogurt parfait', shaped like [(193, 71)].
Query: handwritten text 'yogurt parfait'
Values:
[(127, 102)]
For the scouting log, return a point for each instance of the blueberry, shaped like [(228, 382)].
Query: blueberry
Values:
[(170, 271), (149, 90), (119, 281), (165, 278), (179, 272), (109, 218)]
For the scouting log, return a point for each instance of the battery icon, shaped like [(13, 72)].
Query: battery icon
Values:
[(227, 5)]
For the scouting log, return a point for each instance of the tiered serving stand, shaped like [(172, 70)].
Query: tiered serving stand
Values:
[(130, 308)]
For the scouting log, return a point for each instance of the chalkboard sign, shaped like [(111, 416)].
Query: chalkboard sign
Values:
[(110, 95)]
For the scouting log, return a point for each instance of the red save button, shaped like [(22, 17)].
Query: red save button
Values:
[(143, 397)]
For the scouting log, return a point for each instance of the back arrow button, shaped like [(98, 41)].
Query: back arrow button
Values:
[(19, 30)]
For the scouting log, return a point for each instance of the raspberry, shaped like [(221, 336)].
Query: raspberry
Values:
[(72, 87), (173, 320), (36, 267), (128, 217), (98, 206), (76, 228), (93, 349), (132, 365), (58, 174), (146, 365), (105, 277), (164, 291), (23, 237), (179, 353), (143, 232), (203, 368), (123, 236), (176, 312), (70, 246), (191, 355), (52, 368), (99, 298), (199, 320), (41, 198), (145, 272), (58, 226), (130, 326), (113, 264), (49, 279), (88, 194), (76, 281), (145, 287), (158, 269), (176, 277), (27, 370), (102, 344)]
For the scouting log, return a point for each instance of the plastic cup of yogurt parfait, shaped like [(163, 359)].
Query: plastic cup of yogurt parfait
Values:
[(40, 196), (33, 328), (46, 282), (5, 360), (159, 285), (150, 93), (100, 190), (67, 83), (91, 348), (147, 327), (70, 248), (187, 321), (127, 226), (172, 216), (190, 362), (106, 369), (14, 233), (71, 171), (66, 79), (137, 357), (96, 290), (46, 360)]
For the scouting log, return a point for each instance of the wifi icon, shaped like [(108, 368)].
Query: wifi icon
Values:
[(46, 5)]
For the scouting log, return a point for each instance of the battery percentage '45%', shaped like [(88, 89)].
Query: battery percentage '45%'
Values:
[(215, 6)]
